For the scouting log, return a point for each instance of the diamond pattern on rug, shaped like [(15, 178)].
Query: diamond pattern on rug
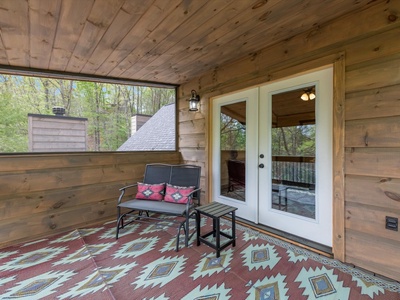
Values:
[(209, 265), (273, 288), (136, 247), (161, 271), (32, 280), (142, 264), (320, 283), (32, 258), (39, 286), (114, 274), (260, 256), (93, 283)]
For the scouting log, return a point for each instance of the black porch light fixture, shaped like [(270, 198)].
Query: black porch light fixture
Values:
[(194, 101), (308, 94)]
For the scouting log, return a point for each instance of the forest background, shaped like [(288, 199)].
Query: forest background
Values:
[(108, 108)]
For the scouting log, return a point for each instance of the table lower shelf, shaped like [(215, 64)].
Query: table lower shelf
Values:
[(223, 244)]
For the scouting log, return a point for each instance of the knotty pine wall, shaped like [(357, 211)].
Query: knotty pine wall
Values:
[(365, 49), (44, 194)]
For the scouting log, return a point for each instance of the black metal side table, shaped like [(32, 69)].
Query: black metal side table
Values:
[(216, 210)]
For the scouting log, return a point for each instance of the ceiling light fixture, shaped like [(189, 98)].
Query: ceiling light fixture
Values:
[(308, 94)]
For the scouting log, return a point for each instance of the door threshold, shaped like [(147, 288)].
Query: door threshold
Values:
[(289, 238)]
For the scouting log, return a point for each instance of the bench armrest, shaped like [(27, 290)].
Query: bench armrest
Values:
[(123, 190), (190, 197), (127, 187)]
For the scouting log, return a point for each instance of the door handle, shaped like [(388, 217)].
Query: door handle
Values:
[(261, 166)]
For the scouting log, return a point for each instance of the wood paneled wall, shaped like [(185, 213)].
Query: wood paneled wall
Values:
[(45, 194), (371, 149)]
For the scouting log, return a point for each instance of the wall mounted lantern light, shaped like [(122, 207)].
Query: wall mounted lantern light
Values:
[(309, 94), (194, 101)]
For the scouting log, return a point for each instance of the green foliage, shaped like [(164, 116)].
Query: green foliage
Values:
[(108, 108), (293, 141), (233, 134)]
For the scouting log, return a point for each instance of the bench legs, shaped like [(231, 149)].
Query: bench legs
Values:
[(120, 219), (186, 229), (184, 225)]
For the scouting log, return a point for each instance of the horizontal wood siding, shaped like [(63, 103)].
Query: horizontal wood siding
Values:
[(378, 255), (371, 148), (57, 134), (46, 194)]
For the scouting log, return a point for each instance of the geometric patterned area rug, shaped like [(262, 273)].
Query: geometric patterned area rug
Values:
[(90, 263)]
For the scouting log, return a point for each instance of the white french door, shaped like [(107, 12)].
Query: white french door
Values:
[(295, 187), (234, 126), (281, 147)]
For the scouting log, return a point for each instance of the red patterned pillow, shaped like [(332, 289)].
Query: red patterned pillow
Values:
[(177, 194), (150, 191)]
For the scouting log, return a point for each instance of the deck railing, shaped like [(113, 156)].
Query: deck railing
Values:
[(294, 169)]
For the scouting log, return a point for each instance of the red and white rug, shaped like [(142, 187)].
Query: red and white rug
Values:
[(90, 263)]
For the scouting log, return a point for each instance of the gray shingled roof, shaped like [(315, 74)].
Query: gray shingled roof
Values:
[(158, 133)]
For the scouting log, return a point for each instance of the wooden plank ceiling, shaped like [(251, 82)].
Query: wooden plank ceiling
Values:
[(165, 41)]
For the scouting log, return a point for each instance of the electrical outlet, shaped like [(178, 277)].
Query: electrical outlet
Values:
[(392, 223)]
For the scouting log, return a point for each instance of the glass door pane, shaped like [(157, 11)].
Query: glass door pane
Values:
[(293, 152), (233, 150), (234, 144)]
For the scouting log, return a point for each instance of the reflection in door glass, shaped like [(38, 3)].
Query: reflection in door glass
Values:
[(233, 150), (293, 152)]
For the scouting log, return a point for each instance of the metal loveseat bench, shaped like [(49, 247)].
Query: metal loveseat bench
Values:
[(166, 190)]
